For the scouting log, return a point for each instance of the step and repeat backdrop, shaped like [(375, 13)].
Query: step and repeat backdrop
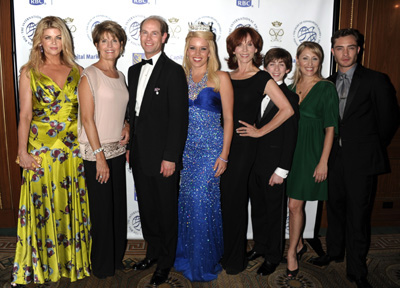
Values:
[(284, 23)]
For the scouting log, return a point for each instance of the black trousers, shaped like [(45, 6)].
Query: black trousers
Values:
[(348, 210), (108, 214), (234, 203), (268, 216), (158, 208)]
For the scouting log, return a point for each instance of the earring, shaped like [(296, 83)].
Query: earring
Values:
[(41, 48), (234, 59)]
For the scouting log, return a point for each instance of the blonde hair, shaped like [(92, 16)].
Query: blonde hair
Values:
[(314, 48), (38, 58), (213, 62)]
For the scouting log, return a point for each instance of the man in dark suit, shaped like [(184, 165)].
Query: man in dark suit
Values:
[(159, 100), (267, 179), (369, 117)]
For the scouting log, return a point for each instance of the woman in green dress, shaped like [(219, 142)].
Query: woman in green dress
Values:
[(53, 218), (319, 114)]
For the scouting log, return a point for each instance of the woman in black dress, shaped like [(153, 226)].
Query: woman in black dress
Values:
[(250, 84)]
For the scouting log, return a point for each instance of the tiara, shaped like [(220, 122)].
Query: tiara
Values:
[(200, 26)]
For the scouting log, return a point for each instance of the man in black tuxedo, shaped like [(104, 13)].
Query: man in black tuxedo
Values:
[(369, 117), (267, 179), (159, 100)]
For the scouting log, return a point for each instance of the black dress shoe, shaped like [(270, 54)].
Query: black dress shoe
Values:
[(119, 266), (160, 276), (361, 282), (325, 260), (267, 268), (252, 255), (146, 263)]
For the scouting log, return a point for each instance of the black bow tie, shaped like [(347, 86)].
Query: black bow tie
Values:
[(144, 61)]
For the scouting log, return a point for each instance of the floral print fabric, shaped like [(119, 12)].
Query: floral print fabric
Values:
[(53, 219)]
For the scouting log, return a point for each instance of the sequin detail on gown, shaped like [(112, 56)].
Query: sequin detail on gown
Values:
[(200, 242), (53, 218)]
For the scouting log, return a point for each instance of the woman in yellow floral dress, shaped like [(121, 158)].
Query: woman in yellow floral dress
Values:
[(53, 219)]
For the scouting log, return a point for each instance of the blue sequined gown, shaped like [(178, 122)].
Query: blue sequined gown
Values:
[(200, 242)]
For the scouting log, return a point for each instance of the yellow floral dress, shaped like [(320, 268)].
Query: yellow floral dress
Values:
[(53, 218)]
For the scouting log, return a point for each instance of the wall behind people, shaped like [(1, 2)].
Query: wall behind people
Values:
[(282, 24)]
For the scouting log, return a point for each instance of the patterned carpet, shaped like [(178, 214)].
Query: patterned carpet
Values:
[(383, 266)]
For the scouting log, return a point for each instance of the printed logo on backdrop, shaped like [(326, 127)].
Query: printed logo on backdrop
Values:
[(306, 31), (132, 29), (28, 28), (92, 23), (177, 58), (174, 29), (140, 2), (276, 32), (70, 25), (244, 3), (37, 2), (216, 28), (242, 22), (134, 225), (136, 58)]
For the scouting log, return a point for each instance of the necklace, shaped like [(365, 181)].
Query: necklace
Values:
[(195, 88), (303, 92)]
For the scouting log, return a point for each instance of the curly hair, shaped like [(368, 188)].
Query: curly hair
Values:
[(37, 57)]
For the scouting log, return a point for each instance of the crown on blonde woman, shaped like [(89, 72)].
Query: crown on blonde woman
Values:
[(200, 26)]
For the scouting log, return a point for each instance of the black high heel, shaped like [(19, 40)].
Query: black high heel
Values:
[(301, 252), (292, 274)]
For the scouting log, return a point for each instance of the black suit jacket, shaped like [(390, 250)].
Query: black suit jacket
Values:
[(370, 119), (159, 133), (276, 148)]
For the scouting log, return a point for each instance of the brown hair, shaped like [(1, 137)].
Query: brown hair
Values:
[(237, 37), (159, 19), (109, 27), (279, 54), (347, 32)]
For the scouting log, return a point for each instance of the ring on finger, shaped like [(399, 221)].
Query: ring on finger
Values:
[(101, 176)]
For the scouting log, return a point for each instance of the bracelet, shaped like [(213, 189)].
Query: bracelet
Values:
[(98, 150), (222, 159)]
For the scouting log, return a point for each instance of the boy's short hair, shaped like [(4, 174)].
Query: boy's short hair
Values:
[(279, 54)]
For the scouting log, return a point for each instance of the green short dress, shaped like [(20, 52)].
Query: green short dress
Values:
[(319, 110)]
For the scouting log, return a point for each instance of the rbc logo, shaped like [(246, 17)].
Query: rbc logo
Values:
[(36, 2), (243, 3), (140, 2)]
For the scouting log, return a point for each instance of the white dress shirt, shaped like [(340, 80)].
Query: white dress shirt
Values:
[(278, 171), (144, 77)]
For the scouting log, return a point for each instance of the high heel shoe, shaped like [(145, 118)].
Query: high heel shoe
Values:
[(301, 252), (292, 274)]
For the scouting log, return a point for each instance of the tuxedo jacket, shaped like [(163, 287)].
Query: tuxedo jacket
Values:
[(370, 119), (276, 148), (159, 133)]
